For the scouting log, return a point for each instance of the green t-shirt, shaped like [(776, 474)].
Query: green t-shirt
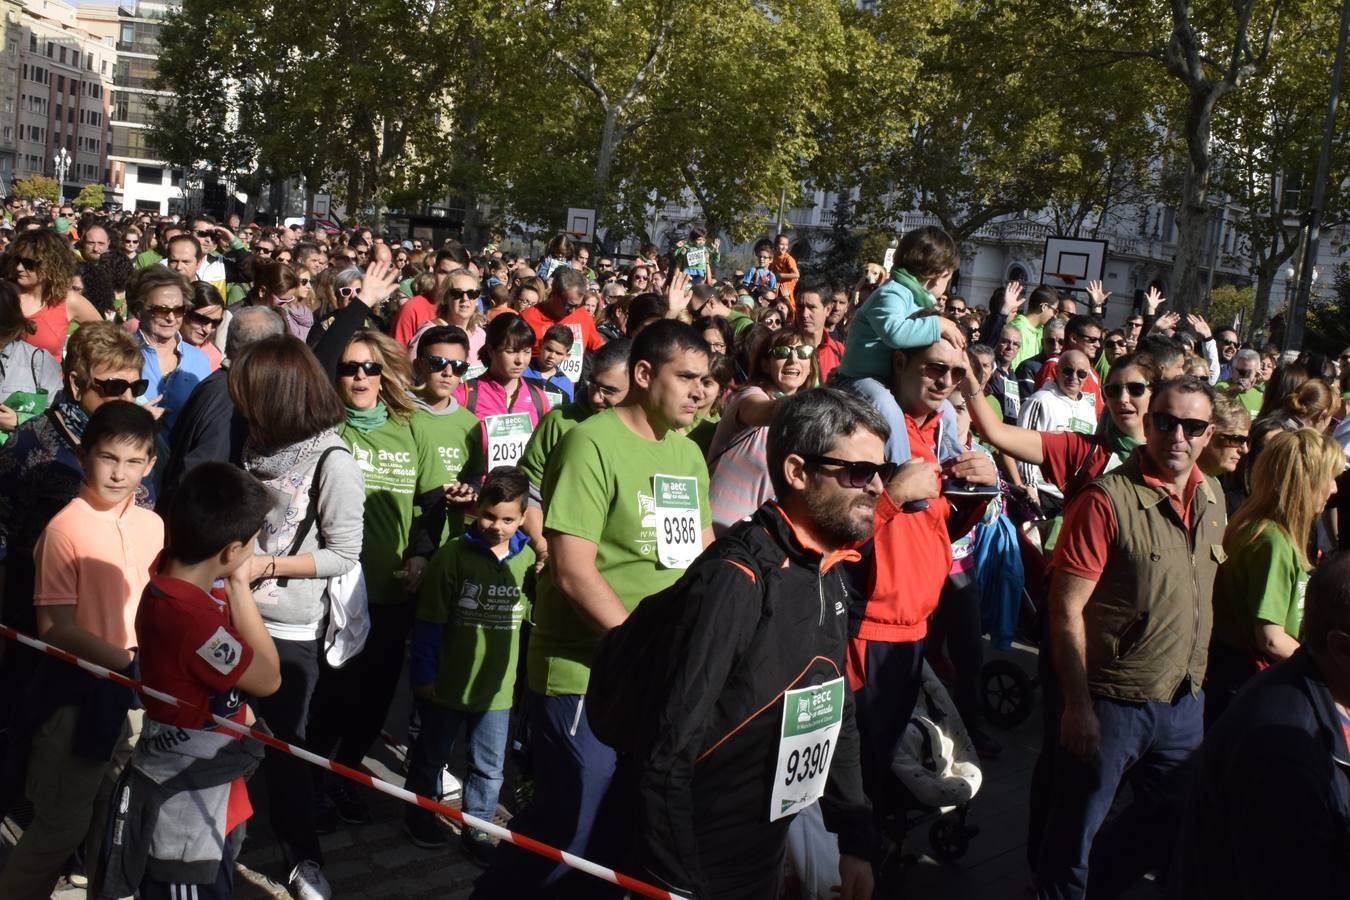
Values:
[(236, 291), (147, 258), (598, 485), (739, 321), (450, 449), (550, 430), (1031, 340), (1261, 581), (1251, 399), (388, 459), (481, 602)]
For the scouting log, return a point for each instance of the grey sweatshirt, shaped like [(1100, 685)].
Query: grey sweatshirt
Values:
[(295, 609)]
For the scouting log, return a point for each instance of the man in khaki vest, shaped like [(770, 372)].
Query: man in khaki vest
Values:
[(1130, 610)]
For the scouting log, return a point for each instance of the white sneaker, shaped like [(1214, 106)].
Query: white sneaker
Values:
[(307, 882), (447, 785)]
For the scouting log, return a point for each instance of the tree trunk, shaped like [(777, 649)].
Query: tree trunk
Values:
[(604, 161), (1193, 216)]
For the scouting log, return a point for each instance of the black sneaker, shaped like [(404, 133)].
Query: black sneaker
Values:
[(325, 815), (478, 846), (426, 831), (351, 806)]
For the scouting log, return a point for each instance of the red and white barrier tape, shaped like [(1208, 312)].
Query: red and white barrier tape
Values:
[(384, 787)]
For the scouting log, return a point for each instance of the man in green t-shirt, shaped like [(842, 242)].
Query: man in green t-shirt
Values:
[(1041, 307), (1241, 385), (625, 500)]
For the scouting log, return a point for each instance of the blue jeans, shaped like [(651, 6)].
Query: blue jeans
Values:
[(487, 735), (581, 805), (1147, 743), (879, 395)]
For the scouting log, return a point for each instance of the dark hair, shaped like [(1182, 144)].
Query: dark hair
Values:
[(453, 251), (1140, 361), (558, 334), (614, 353), (98, 288), (1160, 348), (809, 423), (203, 295), (283, 393), (118, 268), (814, 284), (927, 252), (120, 420), (1042, 296), (442, 334), (504, 484), (1078, 325), (504, 334), (1283, 382), (1182, 384), (721, 326), (566, 278), (271, 278), (13, 324), (643, 308), (215, 505), (185, 237), (658, 343), (560, 247), (1327, 606)]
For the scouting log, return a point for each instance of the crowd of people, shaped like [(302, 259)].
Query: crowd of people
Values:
[(687, 537)]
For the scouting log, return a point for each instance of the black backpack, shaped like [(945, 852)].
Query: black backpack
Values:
[(633, 668)]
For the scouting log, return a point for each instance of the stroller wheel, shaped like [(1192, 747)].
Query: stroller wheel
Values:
[(1006, 693), (949, 839)]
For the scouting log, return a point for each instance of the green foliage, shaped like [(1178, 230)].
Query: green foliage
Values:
[(1226, 301), (1329, 320), (89, 195), (39, 187)]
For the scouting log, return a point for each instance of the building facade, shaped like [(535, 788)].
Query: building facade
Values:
[(138, 179)]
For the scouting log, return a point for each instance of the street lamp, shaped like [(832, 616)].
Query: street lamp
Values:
[(62, 169)]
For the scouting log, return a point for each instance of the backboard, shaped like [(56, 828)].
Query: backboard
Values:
[(1069, 263)]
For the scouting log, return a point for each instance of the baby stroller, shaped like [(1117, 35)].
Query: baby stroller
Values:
[(939, 773)]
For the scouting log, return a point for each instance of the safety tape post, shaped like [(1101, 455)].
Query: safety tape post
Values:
[(524, 842)]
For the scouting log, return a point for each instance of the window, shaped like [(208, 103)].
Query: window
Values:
[(32, 42), (89, 62), (58, 112), (70, 115), (149, 174), (62, 55), (25, 71), (105, 67), (51, 49)]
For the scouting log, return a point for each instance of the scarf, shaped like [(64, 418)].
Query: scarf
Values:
[(267, 464), (73, 415), (1119, 443), (922, 298), (367, 420), (299, 319)]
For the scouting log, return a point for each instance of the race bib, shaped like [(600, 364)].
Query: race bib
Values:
[(571, 366), (474, 371), (507, 435), (1012, 398), (812, 718), (555, 398), (679, 536), (696, 258), (1081, 426)]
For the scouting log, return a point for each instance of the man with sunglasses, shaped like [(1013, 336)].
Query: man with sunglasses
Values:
[(1130, 620), (1229, 343), (900, 584), (563, 306), (222, 254), (1062, 405), (1241, 385), (1082, 333)]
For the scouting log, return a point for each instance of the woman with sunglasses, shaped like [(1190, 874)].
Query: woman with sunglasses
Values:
[(373, 380), (770, 316), (41, 266), (780, 364), (204, 315), (508, 404), (457, 305), (24, 369), (293, 448), (131, 243), (1258, 591), (1223, 456), (1070, 460), (172, 366)]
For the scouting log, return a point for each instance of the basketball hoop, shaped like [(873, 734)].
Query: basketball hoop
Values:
[(1065, 277)]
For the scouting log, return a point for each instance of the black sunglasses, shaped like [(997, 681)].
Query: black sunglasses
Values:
[(1231, 440), (937, 371), (197, 318), (1167, 423), (855, 473), (28, 263), (1117, 390), (349, 369), (204, 233), (438, 363), (116, 387), (454, 295), (1080, 374)]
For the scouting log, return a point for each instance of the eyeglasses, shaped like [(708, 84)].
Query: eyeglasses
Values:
[(1115, 343), (855, 473), (938, 371), (205, 234), (349, 369), (439, 363), (1117, 389), (1230, 440), (197, 318), (349, 291), (28, 263), (454, 295), (801, 351), (1244, 373), (1080, 374), (117, 387), (164, 312), (1227, 343), (263, 251), (1167, 423)]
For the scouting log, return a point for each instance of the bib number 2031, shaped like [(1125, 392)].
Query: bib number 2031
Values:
[(507, 436), (812, 719), (679, 535)]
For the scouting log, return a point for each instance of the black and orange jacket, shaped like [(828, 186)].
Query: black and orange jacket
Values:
[(761, 612)]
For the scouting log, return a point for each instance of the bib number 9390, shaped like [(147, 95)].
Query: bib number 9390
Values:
[(812, 719)]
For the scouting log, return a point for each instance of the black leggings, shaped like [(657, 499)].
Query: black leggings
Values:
[(290, 786)]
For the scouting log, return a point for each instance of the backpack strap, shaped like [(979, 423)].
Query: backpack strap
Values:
[(471, 396), (536, 392), (312, 513)]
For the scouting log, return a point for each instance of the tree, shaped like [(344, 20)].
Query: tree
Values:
[(38, 187), (89, 195)]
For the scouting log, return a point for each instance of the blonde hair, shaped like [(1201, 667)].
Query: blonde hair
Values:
[(1286, 484), (1311, 400), (99, 345), (396, 379)]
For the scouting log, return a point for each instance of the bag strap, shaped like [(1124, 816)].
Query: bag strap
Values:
[(536, 393), (471, 396), (312, 512)]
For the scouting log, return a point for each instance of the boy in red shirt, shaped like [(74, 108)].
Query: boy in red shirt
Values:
[(182, 801)]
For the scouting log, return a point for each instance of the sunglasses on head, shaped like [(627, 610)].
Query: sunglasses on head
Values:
[(439, 363), (938, 370), (801, 351), (1117, 389), (1167, 423), (117, 387), (855, 473), (197, 318), (349, 369)]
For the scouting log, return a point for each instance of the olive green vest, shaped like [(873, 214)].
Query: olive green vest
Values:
[(1149, 619)]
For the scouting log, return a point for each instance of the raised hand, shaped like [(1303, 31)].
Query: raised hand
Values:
[(1154, 299)]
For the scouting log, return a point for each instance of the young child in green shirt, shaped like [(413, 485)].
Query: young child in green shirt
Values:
[(466, 642)]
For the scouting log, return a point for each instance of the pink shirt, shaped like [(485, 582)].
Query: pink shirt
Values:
[(491, 401), (99, 562)]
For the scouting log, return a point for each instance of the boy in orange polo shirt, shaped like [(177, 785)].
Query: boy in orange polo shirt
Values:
[(93, 561)]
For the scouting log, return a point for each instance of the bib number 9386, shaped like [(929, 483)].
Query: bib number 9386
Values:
[(679, 535)]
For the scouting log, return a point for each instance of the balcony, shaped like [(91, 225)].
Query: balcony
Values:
[(149, 48)]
